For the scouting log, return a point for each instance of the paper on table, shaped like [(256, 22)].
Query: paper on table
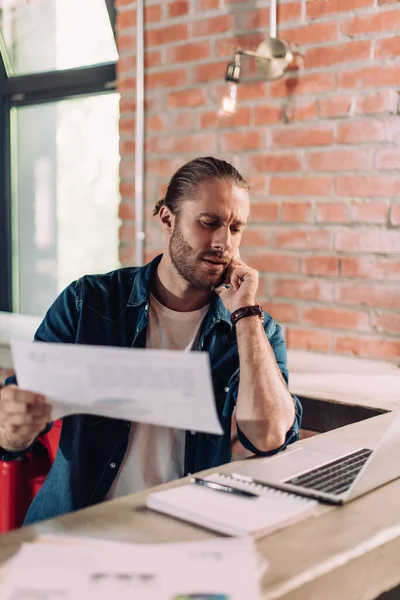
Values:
[(161, 387), (216, 570)]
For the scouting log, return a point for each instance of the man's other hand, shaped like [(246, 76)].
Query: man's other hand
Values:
[(23, 415)]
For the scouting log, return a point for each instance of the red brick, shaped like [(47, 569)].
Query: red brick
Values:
[(376, 348), (361, 131), (371, 212), (267, 115), (208, 72), (181, 120), (126, 168), (258, 185), (126, 147), (126, 84), (327, 266), (202, 5), (125, 19), (387, 48), (189, 98), (152, 13), (332, 212), (255, 238), (303, 240), (340, 53), (335, 106), (302, 136), (344, 159), (272, 163), (297, 212), (306, 111), (304, 289), (367, 186), (238, 141), (127, 233), (177, 8), (370, 77), (259, 18), (127, 125), (224, 47), (314, 83), (384, 2), (264, 211), (282, 312), (189, 52), (165, 79), (126, 211), (378, 102), (336, 318), (308, 339), (378, 241), (388, 159), (214, 25), (301, 186), (126, 255), (191, 143), (253, 90), (368, 294), (125, 42), (272, 263), (378, 21), (166, 35), (240, 118), (320, 8), (386, 322), (395, 217), (312, 33), (152, 58), (370, 267)]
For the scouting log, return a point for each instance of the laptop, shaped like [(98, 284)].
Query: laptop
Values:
[(331, 472)]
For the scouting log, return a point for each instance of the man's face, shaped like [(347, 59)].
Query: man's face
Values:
[(207, 232)]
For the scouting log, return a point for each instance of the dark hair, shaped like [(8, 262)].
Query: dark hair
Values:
[(185, 181)]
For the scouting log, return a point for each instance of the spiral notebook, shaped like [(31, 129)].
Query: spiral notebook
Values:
[(268, 510)]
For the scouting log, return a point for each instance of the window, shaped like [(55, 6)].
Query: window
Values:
[(59, 148)]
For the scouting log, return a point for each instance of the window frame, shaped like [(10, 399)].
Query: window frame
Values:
[(38, 88)]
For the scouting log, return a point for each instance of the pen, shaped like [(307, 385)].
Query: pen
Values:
[(222, 488)]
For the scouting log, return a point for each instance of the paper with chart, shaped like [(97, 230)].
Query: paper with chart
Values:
[(100, 570), (161, 387)]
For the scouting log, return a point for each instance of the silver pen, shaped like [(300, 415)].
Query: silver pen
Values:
[(221, 487)]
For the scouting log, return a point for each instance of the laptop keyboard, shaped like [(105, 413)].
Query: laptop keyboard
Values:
[(334, 477)]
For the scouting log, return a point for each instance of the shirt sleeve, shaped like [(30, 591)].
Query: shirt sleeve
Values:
[(59, 325), (279, 348)]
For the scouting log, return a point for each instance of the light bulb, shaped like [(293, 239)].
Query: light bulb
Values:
[(228, 103)]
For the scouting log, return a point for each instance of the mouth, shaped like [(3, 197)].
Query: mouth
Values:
[(214, 264)]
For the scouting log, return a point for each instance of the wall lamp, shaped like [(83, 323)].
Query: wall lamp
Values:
[(273, 58)]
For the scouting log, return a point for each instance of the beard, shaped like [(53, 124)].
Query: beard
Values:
[(189, 264)]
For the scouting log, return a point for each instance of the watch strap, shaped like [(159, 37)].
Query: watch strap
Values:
[(247, 311)]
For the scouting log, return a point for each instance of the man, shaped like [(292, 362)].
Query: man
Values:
[(198, 295)]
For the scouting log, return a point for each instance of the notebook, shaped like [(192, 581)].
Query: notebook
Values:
[(232, 514)]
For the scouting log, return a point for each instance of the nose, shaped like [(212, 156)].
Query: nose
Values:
[(222, 239)]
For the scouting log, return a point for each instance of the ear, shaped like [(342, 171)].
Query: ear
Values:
[(167, 219)]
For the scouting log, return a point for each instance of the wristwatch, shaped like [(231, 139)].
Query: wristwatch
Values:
[(247, 311)]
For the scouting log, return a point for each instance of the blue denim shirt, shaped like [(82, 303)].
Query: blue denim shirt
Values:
[(113, 310)]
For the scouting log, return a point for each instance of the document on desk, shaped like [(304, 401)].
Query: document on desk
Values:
[(161, 387), (212, 570)]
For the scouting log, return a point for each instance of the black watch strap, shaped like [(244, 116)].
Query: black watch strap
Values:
[(247, 311)]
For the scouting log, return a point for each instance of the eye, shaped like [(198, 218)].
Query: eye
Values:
[(210, 224), (236, 229)]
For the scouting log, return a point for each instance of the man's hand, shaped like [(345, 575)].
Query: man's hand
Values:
[(23, 415), (240, 287)]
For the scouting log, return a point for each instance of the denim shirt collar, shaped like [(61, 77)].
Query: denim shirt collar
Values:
[(140, 293)]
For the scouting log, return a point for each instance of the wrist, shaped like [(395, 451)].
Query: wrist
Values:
[(246, 312)]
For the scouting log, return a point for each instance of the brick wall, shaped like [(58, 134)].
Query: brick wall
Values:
[(320, 148)]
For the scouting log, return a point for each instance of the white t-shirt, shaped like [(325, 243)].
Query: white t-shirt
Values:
[(156, 454)]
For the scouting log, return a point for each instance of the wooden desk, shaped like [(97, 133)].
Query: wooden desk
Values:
[(351, 552)]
